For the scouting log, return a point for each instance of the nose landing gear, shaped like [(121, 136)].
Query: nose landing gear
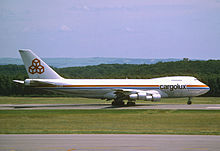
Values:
[(189, 101)]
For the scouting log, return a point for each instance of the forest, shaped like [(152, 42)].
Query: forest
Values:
[(206, 71)]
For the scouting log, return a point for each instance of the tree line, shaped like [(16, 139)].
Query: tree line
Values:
[(206, 71)]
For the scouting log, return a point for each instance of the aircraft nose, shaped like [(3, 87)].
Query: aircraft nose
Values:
[(206, 88)]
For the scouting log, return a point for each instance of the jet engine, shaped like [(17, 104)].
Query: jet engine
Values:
[(152, 96)]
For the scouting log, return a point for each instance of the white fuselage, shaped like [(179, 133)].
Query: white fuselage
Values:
[(43, 77), (177, 86)]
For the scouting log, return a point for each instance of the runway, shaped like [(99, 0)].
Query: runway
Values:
[(108, 106), (108, 142)]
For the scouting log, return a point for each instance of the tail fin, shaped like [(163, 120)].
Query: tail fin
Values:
[(36, 68)]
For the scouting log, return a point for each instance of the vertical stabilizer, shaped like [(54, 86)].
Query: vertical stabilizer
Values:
[(35, 67)]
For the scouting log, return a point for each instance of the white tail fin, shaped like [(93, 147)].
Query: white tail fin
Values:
[(36, 68)]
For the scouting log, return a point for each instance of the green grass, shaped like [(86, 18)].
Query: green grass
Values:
[(105, 121), (70, 100), (48, 100)]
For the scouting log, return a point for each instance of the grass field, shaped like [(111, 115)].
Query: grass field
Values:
[(201, 122), (70, 100)]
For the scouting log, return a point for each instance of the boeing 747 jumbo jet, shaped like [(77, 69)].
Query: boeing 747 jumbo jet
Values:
[(43, 77)]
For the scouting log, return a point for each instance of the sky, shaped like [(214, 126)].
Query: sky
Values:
[(111, 28)]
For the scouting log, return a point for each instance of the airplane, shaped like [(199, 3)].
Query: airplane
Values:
[(41, 76)]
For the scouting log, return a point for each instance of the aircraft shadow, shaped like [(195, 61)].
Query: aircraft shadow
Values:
[(57, 105), (136, 105), (100, 106)]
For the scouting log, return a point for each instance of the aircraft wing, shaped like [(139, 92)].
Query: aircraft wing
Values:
[(134, 91), (133, 94), (36, 83)]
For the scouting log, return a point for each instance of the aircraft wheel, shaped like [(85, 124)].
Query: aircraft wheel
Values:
[(122, 103), (113, 103), (118, 103), (189, 102), (130, 103)]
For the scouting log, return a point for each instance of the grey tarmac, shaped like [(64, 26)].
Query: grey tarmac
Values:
[(108, 142), (108, 106)]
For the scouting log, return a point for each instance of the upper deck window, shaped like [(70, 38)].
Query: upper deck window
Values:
[(176, 80)]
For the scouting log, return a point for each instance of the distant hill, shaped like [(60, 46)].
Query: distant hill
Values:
[(73, 62), (206, 71)]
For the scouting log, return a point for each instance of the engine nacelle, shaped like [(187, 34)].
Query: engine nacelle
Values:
[(145, 96), (156, 97)]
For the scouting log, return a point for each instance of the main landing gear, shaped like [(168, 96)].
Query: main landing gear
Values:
[(122, 103), (118, 103), (130, 103), (189, 101)]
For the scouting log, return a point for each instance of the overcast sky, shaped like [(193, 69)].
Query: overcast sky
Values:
[(111, 28)]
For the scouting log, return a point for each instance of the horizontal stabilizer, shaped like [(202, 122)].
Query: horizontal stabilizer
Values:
[(36, 83), (18, 81)]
